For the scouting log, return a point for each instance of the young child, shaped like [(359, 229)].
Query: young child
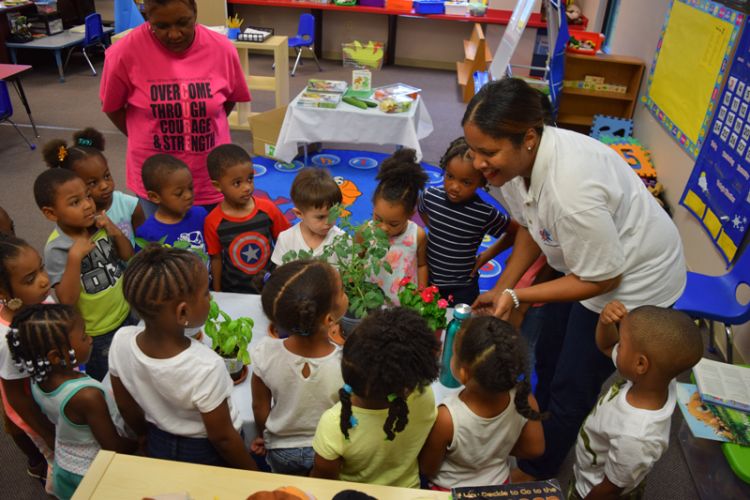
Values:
[(313, 192), (401, 179), (628, 430), (23, 282), (458, 219), (48, 341), (171, 389), (388, 363), (86, 158), (84, 256), (241, 230), (170, 186), (300, 374), (495, 415)]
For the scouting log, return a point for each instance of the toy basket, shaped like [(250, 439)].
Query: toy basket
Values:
[(585, 42), (363, 55), (257, 35), (404, 5)]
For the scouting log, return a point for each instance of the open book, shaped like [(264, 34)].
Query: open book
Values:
[(723, 384)]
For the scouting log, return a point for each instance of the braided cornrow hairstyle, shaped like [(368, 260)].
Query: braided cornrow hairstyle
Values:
[(10, 247), (35, 331), (391, 353), (401, 178), (457, 147), (158, 275), (86, 143), (496, 358), (298, 295)]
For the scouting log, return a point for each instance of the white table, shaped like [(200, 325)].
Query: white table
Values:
[(244, 305), (350, 124), (55, 43)]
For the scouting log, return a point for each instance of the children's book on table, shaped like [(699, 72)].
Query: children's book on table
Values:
[(709, 421), (723, 384), (542, 490)]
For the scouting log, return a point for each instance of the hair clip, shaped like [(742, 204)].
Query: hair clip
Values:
[(85, 141), (72, 356), (347, 389), (353, 421), (14, 304), (392, 397), (266, 277), (521, 377), (62, 153)]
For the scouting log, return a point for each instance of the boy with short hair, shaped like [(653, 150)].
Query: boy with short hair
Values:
[(83, 257), (169, 185), (628, 430), (313, 192), (241, 231)]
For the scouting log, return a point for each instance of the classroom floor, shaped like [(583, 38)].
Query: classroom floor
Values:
[(60, 109)]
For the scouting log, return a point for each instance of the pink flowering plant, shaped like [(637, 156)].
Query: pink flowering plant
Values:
[(426, 301)]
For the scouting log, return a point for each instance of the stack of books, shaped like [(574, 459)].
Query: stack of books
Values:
[(322, 93)]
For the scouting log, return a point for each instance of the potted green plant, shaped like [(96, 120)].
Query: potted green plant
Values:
[(230, 338), (426, 301), (358, 254)]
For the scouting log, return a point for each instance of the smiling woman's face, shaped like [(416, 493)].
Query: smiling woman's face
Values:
[(499, 160), (173, 24)]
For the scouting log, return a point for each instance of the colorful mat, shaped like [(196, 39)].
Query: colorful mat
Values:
[(355, 172)]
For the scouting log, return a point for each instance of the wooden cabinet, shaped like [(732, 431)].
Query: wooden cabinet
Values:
[(578, 106)]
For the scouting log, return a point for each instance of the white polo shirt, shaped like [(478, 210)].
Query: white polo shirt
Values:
[(592, 216)]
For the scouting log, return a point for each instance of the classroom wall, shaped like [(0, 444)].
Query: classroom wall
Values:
[(637, 31)]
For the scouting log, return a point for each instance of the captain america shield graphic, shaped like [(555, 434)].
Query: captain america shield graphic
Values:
[(250, 252)]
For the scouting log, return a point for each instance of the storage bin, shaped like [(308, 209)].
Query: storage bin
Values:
[(457, 8), (585, 42), (429, 6), (372, 3), (46, 7), (404, 5)]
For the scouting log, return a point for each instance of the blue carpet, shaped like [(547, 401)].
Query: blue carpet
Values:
[(355, 173)]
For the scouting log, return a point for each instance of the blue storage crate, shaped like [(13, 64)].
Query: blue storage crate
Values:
[(429, 7)]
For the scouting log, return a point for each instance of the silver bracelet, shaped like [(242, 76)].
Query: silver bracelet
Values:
[(512, 293)]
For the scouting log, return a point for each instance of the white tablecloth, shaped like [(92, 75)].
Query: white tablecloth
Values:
[(242, 305), (354, 125)]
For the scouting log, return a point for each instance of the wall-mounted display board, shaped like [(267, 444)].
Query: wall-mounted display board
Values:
[(718, 191), (691, 58)]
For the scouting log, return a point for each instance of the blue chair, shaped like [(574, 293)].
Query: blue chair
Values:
[(305, 39), (93, 37), (6, 111), (714, 298)]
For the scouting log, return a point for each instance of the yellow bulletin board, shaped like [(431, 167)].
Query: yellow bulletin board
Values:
[(688, 69)]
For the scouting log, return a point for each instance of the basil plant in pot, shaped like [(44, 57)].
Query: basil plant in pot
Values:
[(358, 254), (230, 339)]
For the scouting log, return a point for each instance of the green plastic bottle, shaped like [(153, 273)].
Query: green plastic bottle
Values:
[(460, 313)]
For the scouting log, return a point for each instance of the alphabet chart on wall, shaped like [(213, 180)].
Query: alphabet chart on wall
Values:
[(718, 191)]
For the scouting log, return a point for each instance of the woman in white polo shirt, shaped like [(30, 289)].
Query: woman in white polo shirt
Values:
[(580, 204)]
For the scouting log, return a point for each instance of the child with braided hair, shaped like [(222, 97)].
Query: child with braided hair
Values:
[(173, 390), (494, 416), (394, 202), (388, 364), (301, 373), (86, 158), (48, 341), (23, 282)]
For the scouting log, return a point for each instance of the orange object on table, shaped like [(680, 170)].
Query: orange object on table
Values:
[(405, 5)]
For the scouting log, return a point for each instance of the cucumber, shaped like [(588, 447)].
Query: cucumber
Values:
[(370, 104), (354, 102)]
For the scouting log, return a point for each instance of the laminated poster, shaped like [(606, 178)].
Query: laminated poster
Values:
[(691, 58)]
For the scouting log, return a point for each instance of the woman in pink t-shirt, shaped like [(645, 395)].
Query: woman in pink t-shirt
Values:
[(169, 86)]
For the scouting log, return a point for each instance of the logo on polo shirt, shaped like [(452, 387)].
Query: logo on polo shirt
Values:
[(250, 252), (547, 238)]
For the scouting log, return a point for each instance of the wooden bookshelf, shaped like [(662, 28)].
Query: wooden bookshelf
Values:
[(578, 106)]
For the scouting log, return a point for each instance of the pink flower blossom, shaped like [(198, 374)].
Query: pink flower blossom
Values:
[(433, 289), (404, 281), (442, 303), (427, 295)]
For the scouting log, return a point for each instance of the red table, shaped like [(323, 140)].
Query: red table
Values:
[(11, 73)]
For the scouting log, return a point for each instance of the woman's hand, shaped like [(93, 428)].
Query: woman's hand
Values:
[(494, 303)]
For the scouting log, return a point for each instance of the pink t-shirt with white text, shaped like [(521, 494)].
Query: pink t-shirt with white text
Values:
[(174, 101)]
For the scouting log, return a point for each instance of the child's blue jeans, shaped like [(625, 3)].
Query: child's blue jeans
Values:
[(98, 363), (168, 446), (294, 461)]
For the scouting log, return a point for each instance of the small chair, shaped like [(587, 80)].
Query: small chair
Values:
[(305, 39), (6, 111), (714, 298), (93, 37)]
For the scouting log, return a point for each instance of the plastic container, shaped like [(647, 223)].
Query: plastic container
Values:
[(404, 5), (372, 3), (457, 8), (461, 313), (47, 7), (429, 6), (585, 42)]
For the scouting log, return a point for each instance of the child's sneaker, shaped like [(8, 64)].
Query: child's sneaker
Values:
[(38, 470)]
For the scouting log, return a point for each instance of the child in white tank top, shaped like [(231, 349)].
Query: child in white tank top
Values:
[(494, 416)]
